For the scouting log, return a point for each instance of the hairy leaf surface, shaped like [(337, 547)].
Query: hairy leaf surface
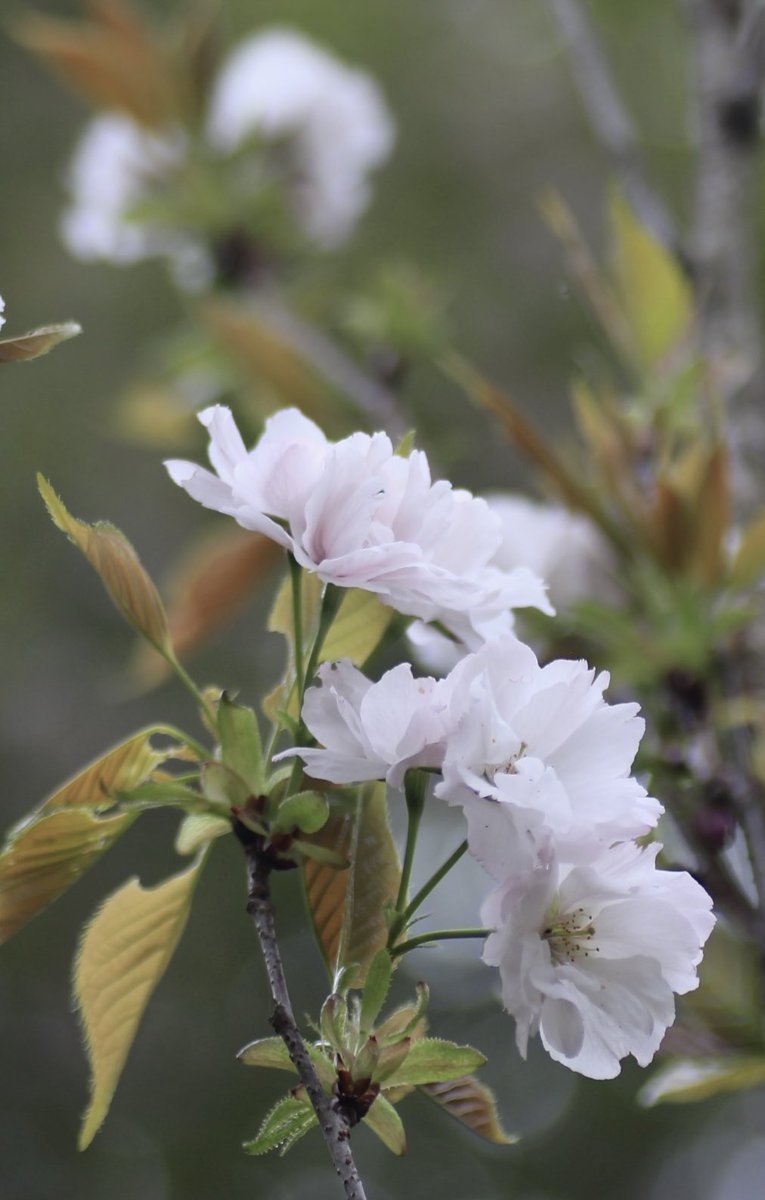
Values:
[(473, 1105)]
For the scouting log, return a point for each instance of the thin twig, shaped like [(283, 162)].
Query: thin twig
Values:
[(726, 39), (609, 119), (333, 1125)]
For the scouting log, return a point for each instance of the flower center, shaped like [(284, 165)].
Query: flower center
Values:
[(570, 936), (507, 767)]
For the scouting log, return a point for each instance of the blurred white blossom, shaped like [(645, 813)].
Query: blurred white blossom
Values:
[(590, 955), (357, 514), (2, 310), (333, 120), (327, 127)]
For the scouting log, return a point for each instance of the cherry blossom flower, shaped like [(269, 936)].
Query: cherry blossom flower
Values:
[(590, 956), (535, 753), (330, 120), (2, 310), (116, 165), (358, 515), (372, 730)]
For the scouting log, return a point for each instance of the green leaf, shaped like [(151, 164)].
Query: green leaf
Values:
[(123, 954), (348, 907), (241, 747), (44, 856), (334, 1022), (433, 1060), (287, 1121), (364, 1063), (390, 1058), (409, 1019), (655, 294), (691, 1079), (383, 1120), (375, 988), (307, 811), (320, 854), (197, 829), (37, 342), (473, 1105), (222, 787), (272, 1052), (113, 558), (729, 998)]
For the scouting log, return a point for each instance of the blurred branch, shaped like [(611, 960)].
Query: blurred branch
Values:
[(728, 47), (609, 119), (335, 1129)]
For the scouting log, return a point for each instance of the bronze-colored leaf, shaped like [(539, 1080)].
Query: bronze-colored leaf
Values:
[(473, 1105), (348, 907), (112, 61), (37, 342), (110, 554), (712, 513), (266, 356), (206, 589)]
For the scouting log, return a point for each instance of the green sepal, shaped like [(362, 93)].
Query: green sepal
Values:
[(241, 747), (287, 1121), (432, 1060), (383, 1120), (307, 811)]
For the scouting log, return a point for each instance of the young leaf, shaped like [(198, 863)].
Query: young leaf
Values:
[(308, 811), (241, 748), (357, 629), (692, 1079), (37, 342), (348, 907), (383, 1120), (375, 988), (473, 1105), (433, 1060), (223, 787), (390, 1059), (120, 769), (749, 560), (288, 1120), (113, 558), (410, 1019), (44, 856), (654, 292), (197, 829), (123, 954), (272, 1052)]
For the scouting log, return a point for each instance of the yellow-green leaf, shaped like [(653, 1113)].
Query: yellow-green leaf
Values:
[(348, 907), (119, 770), (432, 1060), (121, 959), (357, 629), (37, 342), (473, 1105), (749, 561), (287, 1121), (655, 294), (43, 857), (693, 1079), (197, 829), (272, 1052), (383, 1120), (113, 558)]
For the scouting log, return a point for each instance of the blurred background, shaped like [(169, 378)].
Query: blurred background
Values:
[(487, 118)]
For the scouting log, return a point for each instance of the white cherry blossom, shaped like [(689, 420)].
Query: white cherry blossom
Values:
[(357, 514), (590, 956), (330, 120), (2, 310), (535, 753), (372, 730)]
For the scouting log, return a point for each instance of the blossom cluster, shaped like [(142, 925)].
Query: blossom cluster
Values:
[(327, 126), (592, 940)]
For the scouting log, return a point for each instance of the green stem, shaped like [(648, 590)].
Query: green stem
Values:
[(330, 603), (415, 783), (189, 684), (297, 619), (425, 891), (170, 731), (437, 935)]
